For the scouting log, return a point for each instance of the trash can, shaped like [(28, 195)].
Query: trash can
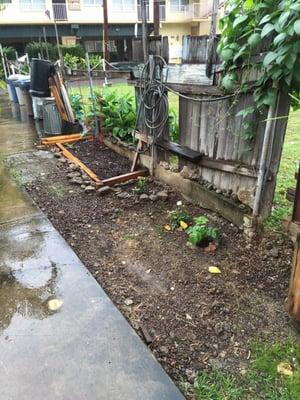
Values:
[(25, 87), (12, 92), (51, 117), (20, 95), (41, 70), (37, 107)]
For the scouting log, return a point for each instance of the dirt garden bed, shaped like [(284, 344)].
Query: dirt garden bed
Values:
[(196, 320)]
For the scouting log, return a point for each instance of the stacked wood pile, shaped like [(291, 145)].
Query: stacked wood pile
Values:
[(60, 95)]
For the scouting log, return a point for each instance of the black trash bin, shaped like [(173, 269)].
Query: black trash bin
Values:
[(41, 70)]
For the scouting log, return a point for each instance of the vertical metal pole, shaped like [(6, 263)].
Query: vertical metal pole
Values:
[(156, 16), (58, 44), (105, 32), (45, 40), (144, 29), (92, 93), (211, 52), (3, 61)]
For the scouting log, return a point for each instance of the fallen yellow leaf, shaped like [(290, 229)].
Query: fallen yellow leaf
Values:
[(167, 228), (183, 225), (285, 368), (214, 270), (55, 304)]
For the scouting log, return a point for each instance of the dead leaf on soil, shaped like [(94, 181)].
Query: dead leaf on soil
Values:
[(55, 304), (285, 368), (211, 248), (214, 270), (167, 228)]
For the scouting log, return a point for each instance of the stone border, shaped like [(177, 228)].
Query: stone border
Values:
[(191, 190)]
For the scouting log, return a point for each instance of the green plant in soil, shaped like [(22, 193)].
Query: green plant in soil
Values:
[(178, 215), (140, 186), (57, 190), (260, 381), (201, 231), (119, 115), (77, 106)]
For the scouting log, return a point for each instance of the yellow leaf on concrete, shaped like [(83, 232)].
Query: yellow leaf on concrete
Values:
[(214, 270), (285, 368), (167, 228), (55, 304), (183, 225)]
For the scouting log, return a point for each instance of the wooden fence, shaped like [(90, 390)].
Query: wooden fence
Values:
[(222, 155)]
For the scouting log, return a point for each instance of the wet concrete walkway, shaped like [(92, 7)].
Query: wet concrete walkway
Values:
[(80, 349)]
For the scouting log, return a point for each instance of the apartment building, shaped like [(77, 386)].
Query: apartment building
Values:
[(23, 21)]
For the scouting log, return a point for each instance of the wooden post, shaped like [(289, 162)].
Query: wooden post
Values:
[(156, 17), (296, 209), (211, 53), (106, 54), (144, 30), (294, 289)]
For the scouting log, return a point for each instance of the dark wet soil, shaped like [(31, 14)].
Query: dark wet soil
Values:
[(104, 162), (198, 321)]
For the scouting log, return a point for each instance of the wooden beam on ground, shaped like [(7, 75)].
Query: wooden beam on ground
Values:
[(124, 178), (65, 139), (76, 161)]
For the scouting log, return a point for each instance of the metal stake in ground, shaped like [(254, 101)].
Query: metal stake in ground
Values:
[(92, 93)]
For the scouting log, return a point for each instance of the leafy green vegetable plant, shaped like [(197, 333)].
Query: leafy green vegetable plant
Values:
[(201, 231), (140, 186), (77, 106), (118, 113), (178, 215)]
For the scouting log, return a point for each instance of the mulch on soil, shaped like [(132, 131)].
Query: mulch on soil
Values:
[(198, 321), (104, 162)]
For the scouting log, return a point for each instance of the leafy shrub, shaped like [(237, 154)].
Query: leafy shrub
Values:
[(201, 231), (179, 215), (118, 113), (34, 49), (173, 125), (96, 62), (77, 106), (76, 50), (10, 52)]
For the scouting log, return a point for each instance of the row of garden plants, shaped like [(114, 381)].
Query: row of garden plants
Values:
[(118, 114)]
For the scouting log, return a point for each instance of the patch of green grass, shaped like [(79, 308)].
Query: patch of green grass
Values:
[(57, 190), (261, 380), (17, 175), (286, 176)]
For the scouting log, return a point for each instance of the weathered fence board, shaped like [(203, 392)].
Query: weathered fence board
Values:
[(230, 161)]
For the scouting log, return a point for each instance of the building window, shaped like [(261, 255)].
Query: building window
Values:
[(93, 2), (123, 5), (178, 5), (32, 5)]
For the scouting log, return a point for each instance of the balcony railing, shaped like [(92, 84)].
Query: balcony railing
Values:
[(60, 12)]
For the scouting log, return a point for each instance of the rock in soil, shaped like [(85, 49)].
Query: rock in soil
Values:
[(89, 189), (123, 195), (128, 302), (163, 195), (76, 181), (153, 197), (144, 197), (105, 190)]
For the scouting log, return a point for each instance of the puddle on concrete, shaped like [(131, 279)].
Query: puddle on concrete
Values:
[(25, 299)]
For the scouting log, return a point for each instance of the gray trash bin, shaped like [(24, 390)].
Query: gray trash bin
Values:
[(51, 118)]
